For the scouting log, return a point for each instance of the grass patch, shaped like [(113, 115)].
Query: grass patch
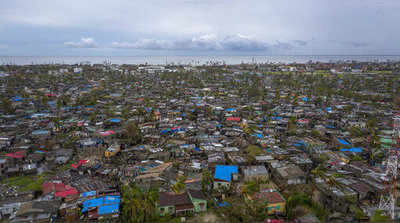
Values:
[(26, 183)]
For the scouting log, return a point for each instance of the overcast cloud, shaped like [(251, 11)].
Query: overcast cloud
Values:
[(103, 27)]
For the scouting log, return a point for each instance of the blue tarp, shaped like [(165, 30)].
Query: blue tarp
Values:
[(258, 135), (230, 109), (39, 151), (101, 201), (223, 172), (302, 142), (197, 149), (329, 126), (304, 98), (115, 120), (89, 193), (108, 209), (223, 204), (344, 142), (276, 117), (355, 150), (17, 98)]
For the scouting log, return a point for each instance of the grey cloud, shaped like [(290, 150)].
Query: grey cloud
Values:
[(352, 43), (206, 42), (300, 42), (83, 43), (170, 25)]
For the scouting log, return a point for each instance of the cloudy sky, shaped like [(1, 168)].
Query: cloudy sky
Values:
[(199, 27)]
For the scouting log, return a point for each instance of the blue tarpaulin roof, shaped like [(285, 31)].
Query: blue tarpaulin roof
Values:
[(344, 142), (304, 98), (329, 126), (223, 204), (165, 130), (101, 201), (355, 149), (230, 109), (258, 135), (17, 98), (276, 117), (223, 172), (115, 120), (89, 193), (108, 209)]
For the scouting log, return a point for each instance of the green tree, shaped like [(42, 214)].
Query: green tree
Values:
[(139, 206), (206, 180), (7, 106), (179, 186), (380, 216), (132, 134)]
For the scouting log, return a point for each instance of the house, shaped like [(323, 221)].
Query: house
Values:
[(156, 175), (96, 208), (37, 211), (198, 199), (60, 190), (287, 174), (275, 202), (174, 204), (190, 201), (112, 150), (224, 175), (255, 173)]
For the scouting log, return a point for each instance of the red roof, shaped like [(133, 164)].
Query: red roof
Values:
[(59, 188), (107, 133), (19, 154), (235, 119), (67, 193), (52, 187), (79, 163)]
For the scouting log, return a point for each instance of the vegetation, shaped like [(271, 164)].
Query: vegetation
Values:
[(132, 134), (380, 216), (243, 210), (303, 200), (139, 206)]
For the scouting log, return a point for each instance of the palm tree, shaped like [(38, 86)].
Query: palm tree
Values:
[(206, 180), (179, 186)]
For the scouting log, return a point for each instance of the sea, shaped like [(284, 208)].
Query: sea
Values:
[(191, 60)]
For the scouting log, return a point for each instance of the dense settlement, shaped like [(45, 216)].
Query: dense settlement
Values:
[(269, 142)]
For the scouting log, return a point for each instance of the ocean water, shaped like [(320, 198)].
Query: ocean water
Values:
[(193, 60)]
